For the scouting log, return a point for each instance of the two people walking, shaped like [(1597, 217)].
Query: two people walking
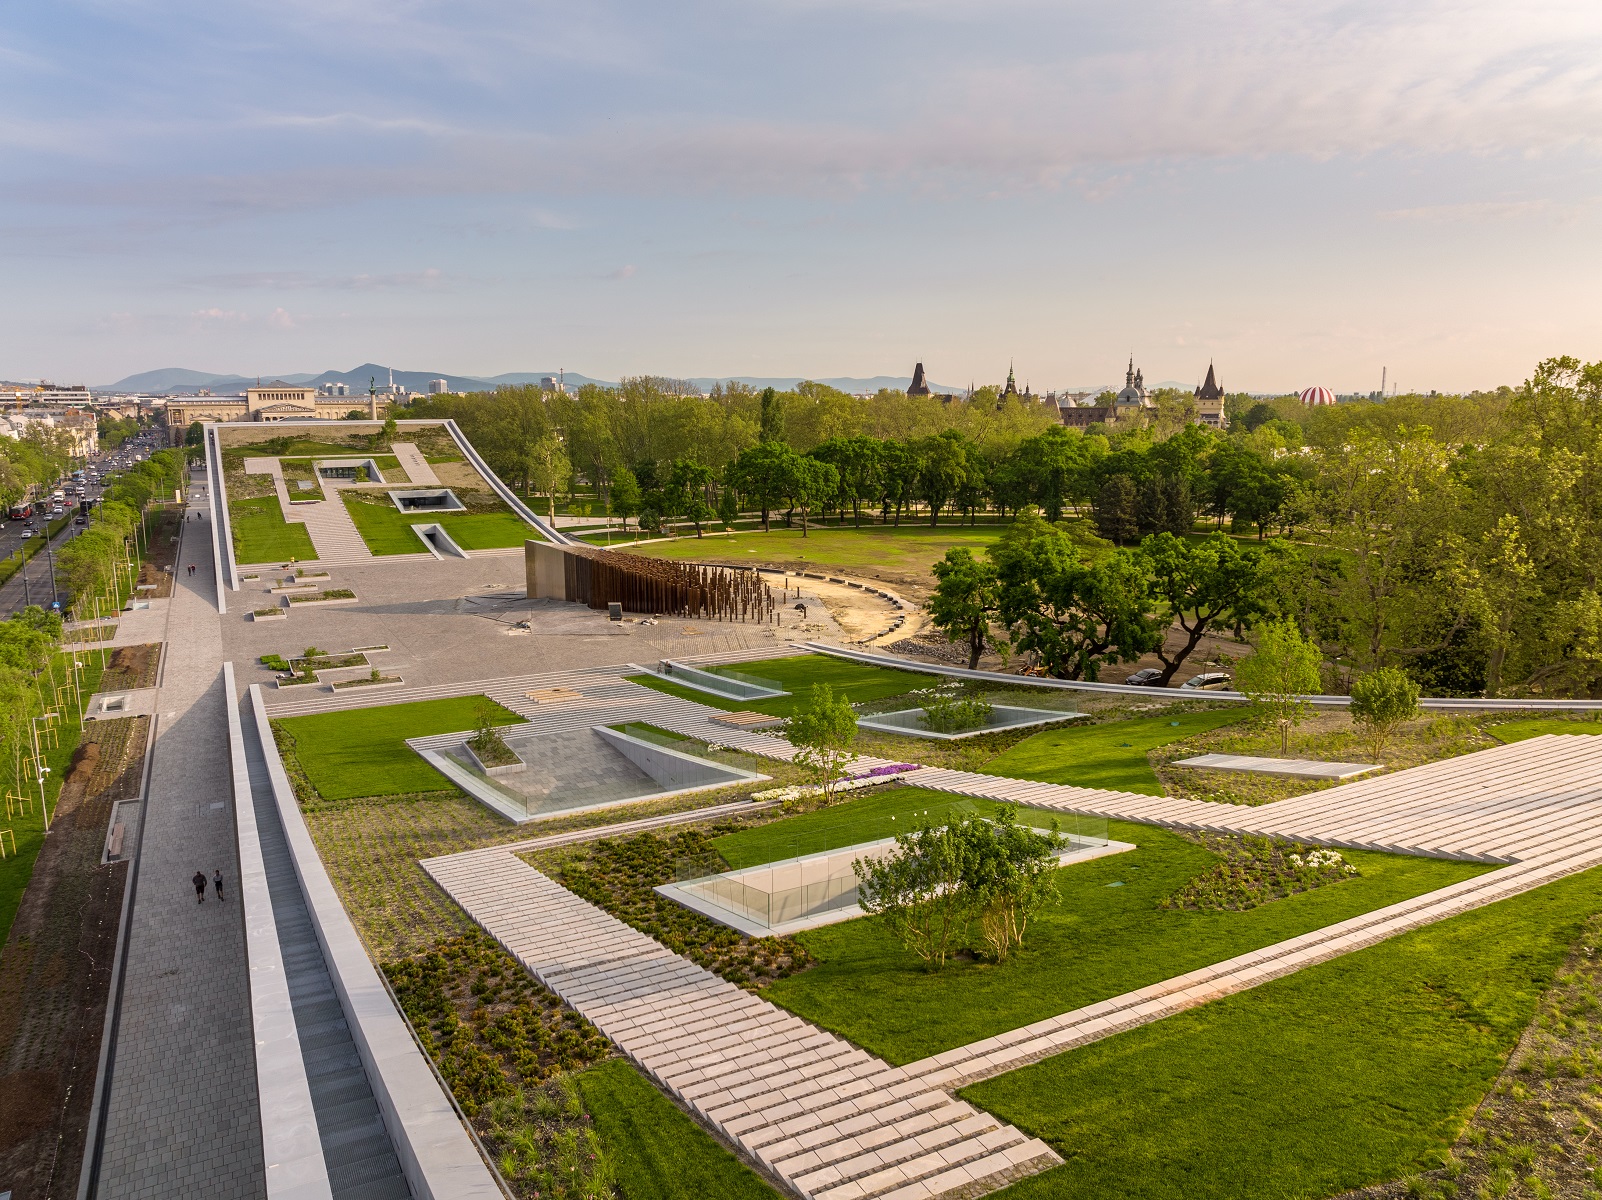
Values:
[(200, 886)]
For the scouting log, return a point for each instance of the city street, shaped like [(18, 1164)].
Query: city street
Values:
[(32, 584)]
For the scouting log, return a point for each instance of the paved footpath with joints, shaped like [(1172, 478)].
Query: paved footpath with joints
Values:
[(832, 1121), (182, 1117)]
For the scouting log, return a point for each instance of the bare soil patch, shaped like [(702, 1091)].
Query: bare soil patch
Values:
[(132, 667), (55, 970)]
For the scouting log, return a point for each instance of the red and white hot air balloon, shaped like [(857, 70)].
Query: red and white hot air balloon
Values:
[(1317, 395)]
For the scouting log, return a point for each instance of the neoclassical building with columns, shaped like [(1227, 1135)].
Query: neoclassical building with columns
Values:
[(276, 401)]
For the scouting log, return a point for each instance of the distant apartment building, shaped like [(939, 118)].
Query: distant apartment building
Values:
[(335, 389), (81, 427), (438, 387)]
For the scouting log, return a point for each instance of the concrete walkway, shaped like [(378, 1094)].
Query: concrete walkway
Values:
[(182, 1117), (415, 464)]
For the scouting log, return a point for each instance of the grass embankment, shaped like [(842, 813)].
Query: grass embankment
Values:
[(1347, 1073), (1105, 936), (363, 752), (796, 674), (1518, 731), (262, 535), (908, 549), (658, 1152), (387, 530), (1106, 756), (26, 823)]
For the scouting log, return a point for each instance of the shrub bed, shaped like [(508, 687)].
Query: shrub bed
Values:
[(618, 875), (506, 1046), (1257, 870)]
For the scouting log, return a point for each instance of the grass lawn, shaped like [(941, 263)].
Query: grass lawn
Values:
[(363, 751), (880, 813), (1518, 731), (1347, 1073), (28, 825), (657, 1152), (1106, 937), (912, 548), (797, 674), (1105, 756), (287, 448), (387, 530), (262, 535)]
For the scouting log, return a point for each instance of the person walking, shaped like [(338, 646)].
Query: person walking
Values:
[(200, 887), (216, 879)]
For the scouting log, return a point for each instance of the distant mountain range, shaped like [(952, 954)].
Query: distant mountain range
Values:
[(183, 380)]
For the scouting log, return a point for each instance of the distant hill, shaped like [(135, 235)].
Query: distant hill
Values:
[(180, 379)]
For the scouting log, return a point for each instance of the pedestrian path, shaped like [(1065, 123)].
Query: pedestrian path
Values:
[(830, 1120), (1499, 805), (181, 1113), (415, 464), (1294, 768), (327, 521)]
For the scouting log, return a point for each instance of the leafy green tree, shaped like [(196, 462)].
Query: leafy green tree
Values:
[(690, 481), (964, 600), (771, 428), (859, 460), (1382, 701), (1114, 510), (823, 732), (1007, 868), (1071, 617), (625, 497), (1203, 586), (942, 470), (809, 484), (765, 474), (1282, 668), (548, 469), (918, 891), (728, 506)]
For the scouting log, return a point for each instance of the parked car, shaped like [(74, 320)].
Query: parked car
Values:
[(1212, 679), (1144, 677)]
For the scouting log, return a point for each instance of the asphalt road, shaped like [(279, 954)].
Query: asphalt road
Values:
[(32, 584)]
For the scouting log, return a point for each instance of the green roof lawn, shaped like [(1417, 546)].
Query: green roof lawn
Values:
[(858, 682), (1345, 1074), (1109, 756), (387, 530), (1106, 936), (363, 751), (262, 535)]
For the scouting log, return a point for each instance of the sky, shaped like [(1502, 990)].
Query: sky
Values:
[(1302, 192)]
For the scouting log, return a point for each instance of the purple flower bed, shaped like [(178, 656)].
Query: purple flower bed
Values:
[(892, 769)]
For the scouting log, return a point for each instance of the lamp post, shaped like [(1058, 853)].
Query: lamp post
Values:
[(39, 767)]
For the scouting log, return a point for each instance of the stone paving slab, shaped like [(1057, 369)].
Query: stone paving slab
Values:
[(182, 1117), (1301, 768)]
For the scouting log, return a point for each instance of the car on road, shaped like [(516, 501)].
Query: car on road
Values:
[(1144, 677), (26, 534), (1211, 679)]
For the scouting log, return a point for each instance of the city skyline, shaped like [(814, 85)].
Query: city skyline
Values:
[(1302, 197)]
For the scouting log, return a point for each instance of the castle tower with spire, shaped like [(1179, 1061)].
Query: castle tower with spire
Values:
[(1210, 402), (1133, 398), (920, 385)]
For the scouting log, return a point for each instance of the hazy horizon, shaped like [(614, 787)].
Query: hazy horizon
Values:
[(1300, 194)]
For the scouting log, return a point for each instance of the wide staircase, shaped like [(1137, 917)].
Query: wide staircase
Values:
[(357, 1150)]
